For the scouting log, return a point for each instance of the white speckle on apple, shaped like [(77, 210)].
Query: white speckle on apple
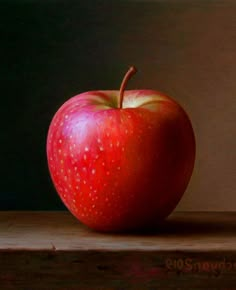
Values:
[(117, 143), (84, 169), (93, 206), (95, 190), (123, 148), (108, 134), (70, 136), (73, 200), (65, 178), (77, 187), (62, 161), (97, 156), (85, 156), (86, 149), (60, 141), (111, 145), (75, 168), (84, 181), (62, 170), (66, 116), (61, 124), (93, 171), (101, 148), (103, 163), (72, 155), (108, 172), (118, 168), (106, 199), (59, 151), (70, 186), (99, 140)]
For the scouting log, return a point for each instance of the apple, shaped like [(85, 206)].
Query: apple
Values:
[(121, 159)]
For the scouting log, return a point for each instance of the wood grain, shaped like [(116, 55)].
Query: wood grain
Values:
[(52, 250), (189, 231)]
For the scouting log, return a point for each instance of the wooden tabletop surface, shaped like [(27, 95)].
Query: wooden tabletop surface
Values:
[(59, 230)]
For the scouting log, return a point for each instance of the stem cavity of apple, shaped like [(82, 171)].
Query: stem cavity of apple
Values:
[(132, 70)]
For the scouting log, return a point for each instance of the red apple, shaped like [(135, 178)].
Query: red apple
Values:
[(121, 160)]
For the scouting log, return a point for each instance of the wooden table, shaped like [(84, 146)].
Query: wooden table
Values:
[(52, 250)]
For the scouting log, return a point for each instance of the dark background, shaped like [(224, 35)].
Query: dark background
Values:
[(52, 50)]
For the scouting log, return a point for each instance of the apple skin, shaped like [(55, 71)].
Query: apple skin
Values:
[(121, 169)]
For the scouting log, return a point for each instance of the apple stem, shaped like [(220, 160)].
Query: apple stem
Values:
[(132, 70)]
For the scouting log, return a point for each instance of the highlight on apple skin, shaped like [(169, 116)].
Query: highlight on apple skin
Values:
[(121, 160)]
